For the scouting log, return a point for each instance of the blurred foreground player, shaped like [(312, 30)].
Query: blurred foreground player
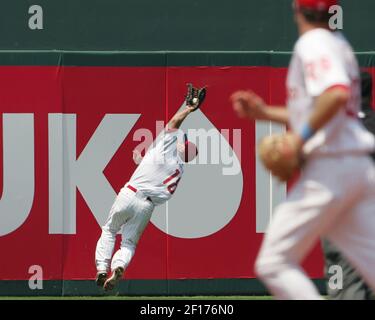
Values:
[(153, 183), (367, 113), (353, 285), (335, 195)]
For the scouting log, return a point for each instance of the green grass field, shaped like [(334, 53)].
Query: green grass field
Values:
[(143, 298)]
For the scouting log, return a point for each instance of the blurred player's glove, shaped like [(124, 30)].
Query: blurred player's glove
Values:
[(280, 155), (195, 96)]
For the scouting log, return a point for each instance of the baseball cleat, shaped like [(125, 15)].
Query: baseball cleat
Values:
[(114, 279), (101, 277)]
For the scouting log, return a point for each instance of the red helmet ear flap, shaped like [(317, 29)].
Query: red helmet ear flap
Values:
[(191, 151)]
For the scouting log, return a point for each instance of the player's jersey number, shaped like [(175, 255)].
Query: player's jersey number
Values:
[(172, 186)]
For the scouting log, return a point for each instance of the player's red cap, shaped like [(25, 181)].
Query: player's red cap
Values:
[(317, 5)]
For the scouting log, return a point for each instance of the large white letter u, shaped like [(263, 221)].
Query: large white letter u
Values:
[(18, 171)]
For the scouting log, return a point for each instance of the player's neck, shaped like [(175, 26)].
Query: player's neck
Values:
[(306, 27)]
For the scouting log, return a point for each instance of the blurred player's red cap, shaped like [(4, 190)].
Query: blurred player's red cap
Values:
[(191, 150), (317, 5)]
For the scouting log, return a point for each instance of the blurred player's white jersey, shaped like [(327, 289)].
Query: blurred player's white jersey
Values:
[(160, 171), (335, 195), (322, 60)]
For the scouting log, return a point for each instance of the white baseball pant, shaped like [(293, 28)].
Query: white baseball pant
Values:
[(334, 198), (131, 211)]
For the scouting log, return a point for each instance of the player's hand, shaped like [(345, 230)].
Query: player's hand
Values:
[(247, 104), (137, 157)]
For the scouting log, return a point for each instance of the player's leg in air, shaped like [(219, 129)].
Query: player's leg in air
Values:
[(132, 212), (153, 183)]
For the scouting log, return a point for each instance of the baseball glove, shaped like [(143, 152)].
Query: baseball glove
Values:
[(279, 155), (195, 96)]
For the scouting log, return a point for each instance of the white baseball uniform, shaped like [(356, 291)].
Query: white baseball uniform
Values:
[(153, 183), (335, 196)]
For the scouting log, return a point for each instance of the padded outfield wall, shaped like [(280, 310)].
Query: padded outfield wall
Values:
[(70, 120)]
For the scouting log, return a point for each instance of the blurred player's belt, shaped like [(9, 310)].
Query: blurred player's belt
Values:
[(135, 191)]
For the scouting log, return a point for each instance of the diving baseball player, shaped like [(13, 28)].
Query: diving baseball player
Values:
[(153, 183), (335, 195)]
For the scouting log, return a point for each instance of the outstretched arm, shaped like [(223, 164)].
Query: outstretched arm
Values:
[(249, 105), (179, 117)]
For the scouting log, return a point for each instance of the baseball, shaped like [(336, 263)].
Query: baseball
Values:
[(195, 100)]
